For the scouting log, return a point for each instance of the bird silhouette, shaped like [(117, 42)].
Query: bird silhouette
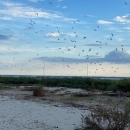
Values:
[(50, 3), (36, 14)]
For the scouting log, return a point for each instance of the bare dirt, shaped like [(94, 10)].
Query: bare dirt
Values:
[(69, 97)]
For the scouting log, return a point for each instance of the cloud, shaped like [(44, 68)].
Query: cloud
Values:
[(16, 48), (6, 18), (69, 19), (93, 44), (18, 10), (90, 16), (118, 57), (64, 7), (55, 42), (115, 29), (123, 19), (58, 6), (35, 1), (70, 34), (104, 22), (4, 37), (120, 39), (59, 0), (53, 34), (128, 28), (13, 10), (60, 59), (29, 28)]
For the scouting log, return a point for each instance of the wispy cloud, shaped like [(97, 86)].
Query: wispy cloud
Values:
[(55, 42), (118, 57), (6, 18), (17, 48), (90, 15), (29, 28), (70, 34), (123, 19), (13, 10), (53, 34), (35, 1), (64, 7), (93, 44), (59, 0), (58, 6), (128, 27), (117, 54), (61, 59), (104, 22), (4, 37), (120, 39), (19, 10), (115, 29)]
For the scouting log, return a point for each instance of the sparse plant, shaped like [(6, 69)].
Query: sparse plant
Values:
[(82, 94), (109, 100), (91, 98), (106, 119), (38, 91), (4, 86)]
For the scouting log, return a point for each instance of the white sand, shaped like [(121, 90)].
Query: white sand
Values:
[(28, 115)]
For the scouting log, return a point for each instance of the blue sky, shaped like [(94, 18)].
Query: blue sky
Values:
[(64, 36)]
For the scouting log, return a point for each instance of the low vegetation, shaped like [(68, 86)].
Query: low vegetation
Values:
[(38, 91), (106, 119), (122, 85), (4, 86)]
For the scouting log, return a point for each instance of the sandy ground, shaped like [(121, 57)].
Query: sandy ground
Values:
[(59, 109), (19, 113)]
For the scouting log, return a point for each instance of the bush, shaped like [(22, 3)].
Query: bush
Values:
[(38, 91), (103, 119), (4, 86), (112, 87)]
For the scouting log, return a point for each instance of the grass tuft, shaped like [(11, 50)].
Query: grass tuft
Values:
[(38, 91), (106, 119)]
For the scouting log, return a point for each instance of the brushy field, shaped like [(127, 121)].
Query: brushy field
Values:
[(101, 116), (75, 82)]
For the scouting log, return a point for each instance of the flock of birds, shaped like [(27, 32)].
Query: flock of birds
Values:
[(89, 66)]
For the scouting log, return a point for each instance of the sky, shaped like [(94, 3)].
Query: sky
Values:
[(65, 37)]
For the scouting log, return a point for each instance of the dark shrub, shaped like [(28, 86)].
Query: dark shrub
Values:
[(106, 119), (38, 91)]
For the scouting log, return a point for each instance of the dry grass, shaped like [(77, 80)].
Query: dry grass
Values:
[(38, 91), (57, 90), (4, 86), (106, 119)]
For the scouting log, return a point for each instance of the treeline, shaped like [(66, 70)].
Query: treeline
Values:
[(75, 82)]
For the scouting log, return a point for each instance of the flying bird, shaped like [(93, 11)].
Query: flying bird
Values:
[(50, 3), (89, 49), (126, 3), (31, 24), (36, 14)]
